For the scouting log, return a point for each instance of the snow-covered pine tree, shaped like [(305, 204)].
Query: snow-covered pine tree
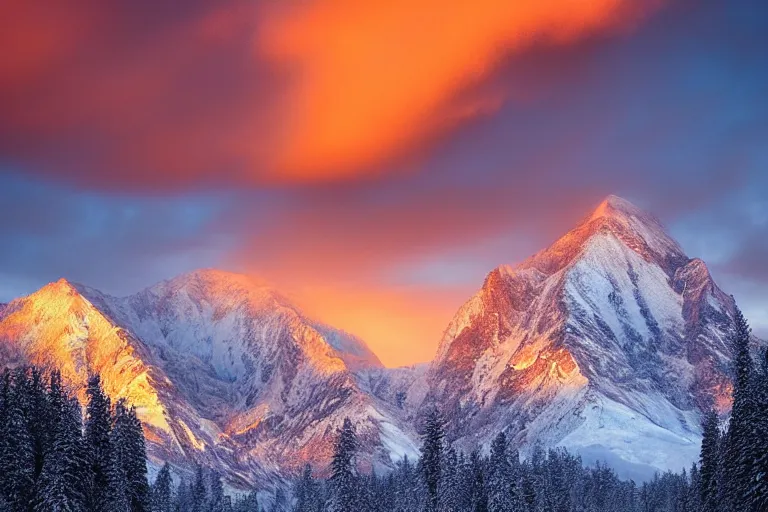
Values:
[(17, 453), (405, 488), (515, 487), (306, 492), (183, 497), (135, 463), (57, 398), (479, 490), (431, 457), (722, 475), (61, 487), (118, 494), (161, 491), (709, 461), (694, 489), (466, 482), (499, 478), (39, 417), (5, 391), (558, 479), (759, 478), (528, 486), (370, 493), (739, 457), (199, 492), (451, 485), (216, 502), (343, 472), (98, 425)]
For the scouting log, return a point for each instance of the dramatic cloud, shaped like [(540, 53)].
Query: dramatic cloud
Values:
[(371, 78), (116, 94), (377, 191)]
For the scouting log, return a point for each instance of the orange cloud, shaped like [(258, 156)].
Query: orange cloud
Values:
[(371, 79), (164, 94)]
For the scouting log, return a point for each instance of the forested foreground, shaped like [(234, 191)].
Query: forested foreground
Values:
[(53, 459)]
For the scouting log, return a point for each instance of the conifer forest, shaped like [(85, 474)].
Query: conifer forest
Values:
[(56, 456)]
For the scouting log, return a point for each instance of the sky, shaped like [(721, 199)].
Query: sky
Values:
[(374, 160)]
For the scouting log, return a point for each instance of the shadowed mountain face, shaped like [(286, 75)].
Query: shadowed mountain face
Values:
[(610, 342)]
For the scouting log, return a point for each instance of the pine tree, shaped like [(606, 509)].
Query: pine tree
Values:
[(199, 493), (499, 480), (709, 462), (479, 491), (759, 477), (135, 463), (431, 456), (216, 500), (40, 417), (306, 492), (449, 491), (118, 493), (161, 493), (739, 457), (183, 498), (515, 490), (61, 486), (722, 477), (17, 460), (694, 489), (404, 485), (343, 474), (528, 489), (98, 425)]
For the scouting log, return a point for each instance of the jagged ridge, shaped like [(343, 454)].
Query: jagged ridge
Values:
[(223, 371), (610, 342)]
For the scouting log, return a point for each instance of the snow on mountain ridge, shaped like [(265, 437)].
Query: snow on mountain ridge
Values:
[(610, 325), (239, 379), (609, 342)]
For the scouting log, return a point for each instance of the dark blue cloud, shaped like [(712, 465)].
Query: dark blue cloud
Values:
[(115, 242)]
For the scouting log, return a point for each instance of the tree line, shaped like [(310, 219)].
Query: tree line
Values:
[(734, 457), (54, 460)]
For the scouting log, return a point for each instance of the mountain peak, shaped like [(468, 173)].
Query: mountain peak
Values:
[(56, 292), (61, 285), (615, 206), (611, 327), (615, 217), (216, 277)]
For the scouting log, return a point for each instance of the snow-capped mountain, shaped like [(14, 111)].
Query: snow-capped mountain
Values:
[(222, 369), (610, 343)]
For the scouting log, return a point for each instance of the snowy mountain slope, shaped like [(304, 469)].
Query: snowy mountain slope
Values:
[(610, 342), (56, 327), (403, 389), (251, 386)]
